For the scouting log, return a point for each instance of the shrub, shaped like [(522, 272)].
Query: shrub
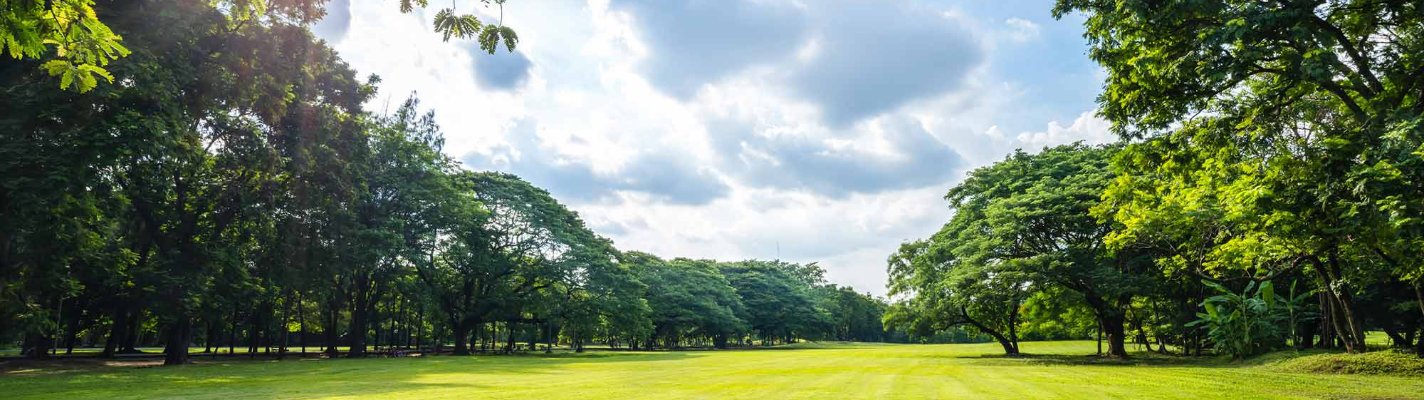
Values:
[(1252, 322)]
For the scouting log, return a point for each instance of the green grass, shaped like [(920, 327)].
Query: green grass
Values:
[(1375, 362), (1056, 370)]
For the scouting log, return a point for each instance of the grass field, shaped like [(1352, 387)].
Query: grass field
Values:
[(1057, 370)]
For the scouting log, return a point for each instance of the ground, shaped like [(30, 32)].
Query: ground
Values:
[(863, 371)]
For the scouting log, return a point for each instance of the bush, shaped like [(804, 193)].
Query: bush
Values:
[(1255, 321)]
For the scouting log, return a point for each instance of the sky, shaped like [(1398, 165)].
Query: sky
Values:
[(822, 131)]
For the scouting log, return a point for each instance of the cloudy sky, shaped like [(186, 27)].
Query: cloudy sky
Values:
[(810, 130)]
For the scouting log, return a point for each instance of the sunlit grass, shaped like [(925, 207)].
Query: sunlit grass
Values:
[(811, 371)]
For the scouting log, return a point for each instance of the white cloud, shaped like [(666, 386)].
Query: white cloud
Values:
[(1021, 30), (1088, 128), (835, 144)]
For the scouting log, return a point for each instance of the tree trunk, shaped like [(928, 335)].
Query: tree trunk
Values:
[(356, 335), (211, 334), (282, 334), (37, 345), (462, 338), (175, 352), (1100, 337), (301, 325), (329, 331), (509, 337), (129, 341), (549, 338), (111, 345), (1419, 295), (232, 334), (1347, 323), (1113, 330)]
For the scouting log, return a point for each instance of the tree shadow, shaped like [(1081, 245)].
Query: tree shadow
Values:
[(374, 377)]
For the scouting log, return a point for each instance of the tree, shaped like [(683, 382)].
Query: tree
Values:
[(1022, 222), (1307, 112), (950, 290), (528, 242), (687, 299), (777, 302)]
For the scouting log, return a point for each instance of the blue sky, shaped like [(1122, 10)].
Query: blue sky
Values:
[(817, 130)]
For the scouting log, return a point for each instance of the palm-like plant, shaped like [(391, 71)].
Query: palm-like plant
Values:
[(1251, 322)]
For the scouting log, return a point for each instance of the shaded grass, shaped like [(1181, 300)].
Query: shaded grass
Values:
[(808, 371)]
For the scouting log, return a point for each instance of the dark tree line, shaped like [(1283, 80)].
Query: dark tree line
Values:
[(228, 190)]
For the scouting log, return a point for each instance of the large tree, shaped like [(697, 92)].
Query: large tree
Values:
[(1296, 123)]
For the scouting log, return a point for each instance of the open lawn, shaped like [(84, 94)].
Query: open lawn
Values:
[(1056, 370)]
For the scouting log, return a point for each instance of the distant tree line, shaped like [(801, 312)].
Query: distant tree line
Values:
[(1268, 190), (228, 190)]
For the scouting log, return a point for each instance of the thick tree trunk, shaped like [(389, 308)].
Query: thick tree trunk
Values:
[(329, 331), (175, 352), (509, 337), (462, 338), (549, 338), (129, 340), (37, 345), (116, 330), (1419, 295), (232, 334), (211, 333), (356, 336), (1347, 324), (1113, 330)]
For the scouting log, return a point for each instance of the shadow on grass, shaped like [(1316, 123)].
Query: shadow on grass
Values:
[(374, 377), (1142, 359), (1135, 360)]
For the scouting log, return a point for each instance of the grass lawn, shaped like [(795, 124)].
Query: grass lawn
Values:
[(1057, 370)]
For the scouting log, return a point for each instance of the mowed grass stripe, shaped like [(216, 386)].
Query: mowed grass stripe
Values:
[(1054, 370)]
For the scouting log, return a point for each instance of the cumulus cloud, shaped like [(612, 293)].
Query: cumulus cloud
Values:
[(503, 70), (883, 154), (1087, 128), (873, 56), (700, 41), (726, 129), (853, 58), (663, 176)]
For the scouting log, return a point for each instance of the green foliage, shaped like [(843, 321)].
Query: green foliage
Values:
[(460, 26), (67, 33), (1275, 137), (1254, 321), (1020, 225), (467, 26)]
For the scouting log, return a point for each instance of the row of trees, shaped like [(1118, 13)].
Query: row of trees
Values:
[(1267, 145), (228, 189)]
